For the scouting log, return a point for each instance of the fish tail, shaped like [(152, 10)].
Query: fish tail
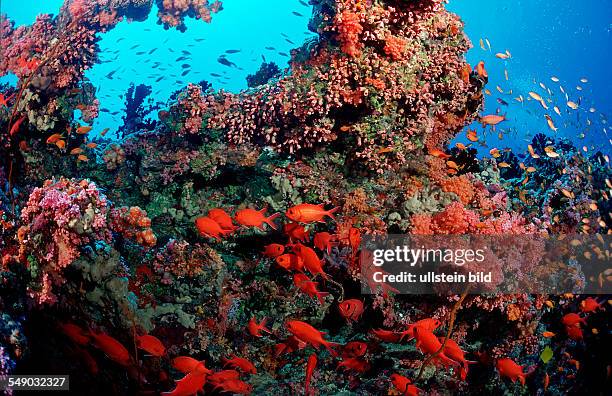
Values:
[(329, 346), (270, 221), (331, 212), (522, 379)]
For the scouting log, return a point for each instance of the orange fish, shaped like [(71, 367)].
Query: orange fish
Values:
[(210, 228), (324, 241), (589, 305), (82, 130), (255, 328), (313, 264), (76, 151), (309, 335), (480, 69), (387, 335), (255, 218), (290, 262), (54, 138), (492, 119), (61, 144), (429, 324), (546, 381), (572, 319), (308, 287), (309, 213), (439, 153), (454, 352), (508, 368), (351, 309), (472, 135), (190, 384), (222, 376), (187, 364), (241, 364), (354, 349), (112, 348), (16, 126), (81, 157), (273, 250), (296, 232), (75, 333), (104, 131), (91, 145), (548, 334), (404, 385), (291, 344), (310, 366), (151, 345), (355, 364), (466, 70), (221, 217)]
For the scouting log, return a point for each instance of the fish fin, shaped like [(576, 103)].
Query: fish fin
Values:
[(270, 221), (331, 212), (521, 379)]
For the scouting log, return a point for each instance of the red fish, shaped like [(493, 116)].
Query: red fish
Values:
[(589, 305), (354, 239), (428, 344), (310, 366), (16, 126), (308, 287), (255, 218), (492, 119), (312, 262), (290, 262), (574, 332), (112, 348), (387, 335), (222, 376), (255, 328), (309, 335), (404, 385), (309, 213), (210, 228), (355, 364), (291, 344), (190, 384), (90, 362), (573, 319), (508, 368), (429, 324), (454, 352), (75, 333), (438, 153), (221, 217), (480, 69), (240, 363), (187, 364), (324, 241), (151, 345), (354, 349), (351, 309), (273, 250), (296, 232), (234, 386)]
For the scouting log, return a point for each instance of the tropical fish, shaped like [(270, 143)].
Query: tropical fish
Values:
[(550, 122), (187, 364), (354, 349), (310, 366), (151, 345), (82, 130), (75, 333), (273, 250), (296, 232), (308, 287), (290, 262), (312, 262), (309, 213), (190, 384), (480, 69), (355, 364), (80, 157), (589, 305), (111, 348), (16, 125), (508, 368), (492, 119), (404, 385), (574, 332), (309, 335), (573, 319), (221, 217), (548, 334), (222, 376), (76, 151), (324, 241), (210, 228), (54, 138), (351, 309), (255, 218), (255, 328), (387, 335), (241, 364), (454, 352), (438, 153), (429, 324)]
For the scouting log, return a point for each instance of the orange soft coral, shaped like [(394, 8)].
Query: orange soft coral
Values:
[(396, 47), (461, 186), (349, 29)]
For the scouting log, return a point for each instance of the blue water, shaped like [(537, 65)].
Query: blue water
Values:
[(567, 39)]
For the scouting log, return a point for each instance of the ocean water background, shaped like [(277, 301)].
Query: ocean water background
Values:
[(567, 39)]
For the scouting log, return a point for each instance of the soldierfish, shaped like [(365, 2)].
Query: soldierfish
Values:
[(310, 366), (210, 228), (151, 345), (240, 363), (255, 218), (308, 287), (255, 328), (112, 348), (190, 384), (222, 218), (351, 309), (508, 368), (309, 213), (312, 262), (309, 335)]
